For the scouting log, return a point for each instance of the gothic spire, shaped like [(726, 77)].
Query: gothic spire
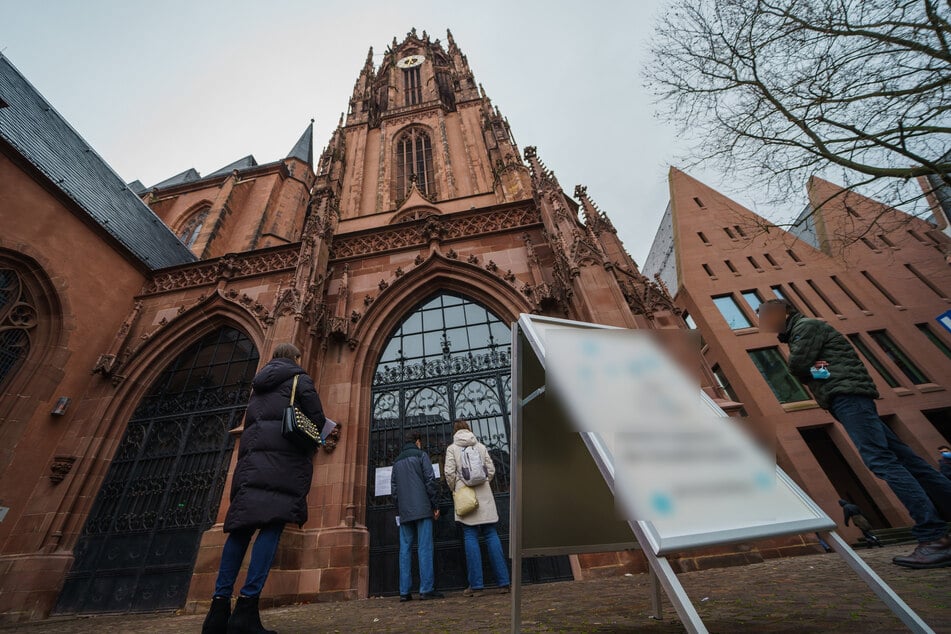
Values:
[(303, 150), (596, 219)]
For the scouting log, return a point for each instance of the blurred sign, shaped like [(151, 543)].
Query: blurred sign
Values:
[(945, 320)]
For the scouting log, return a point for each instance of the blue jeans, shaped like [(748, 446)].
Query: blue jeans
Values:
[(909, 476), (474, 555), (262, 556), (420, 531)]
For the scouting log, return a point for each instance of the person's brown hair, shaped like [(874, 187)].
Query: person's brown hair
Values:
[(461, 424), (286, 351)]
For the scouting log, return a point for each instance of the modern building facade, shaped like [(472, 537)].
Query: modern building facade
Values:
[(132, 319), (876, 274)]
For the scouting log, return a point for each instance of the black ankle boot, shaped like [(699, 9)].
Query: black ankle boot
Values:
[(218, 614), (246, 619)]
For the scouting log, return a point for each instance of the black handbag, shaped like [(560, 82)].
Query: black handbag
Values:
[(299, 429)]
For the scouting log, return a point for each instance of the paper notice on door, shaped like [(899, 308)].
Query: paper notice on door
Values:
[(382, 479)]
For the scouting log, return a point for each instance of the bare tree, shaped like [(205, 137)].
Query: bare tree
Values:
[(779, 90)]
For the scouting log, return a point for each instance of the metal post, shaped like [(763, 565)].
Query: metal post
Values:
[(657, 607), (515, 482), (878, 586)]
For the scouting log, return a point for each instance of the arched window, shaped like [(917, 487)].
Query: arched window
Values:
[(450, 358), (414, 158), (191, 229), (17, 320), (137, 549)]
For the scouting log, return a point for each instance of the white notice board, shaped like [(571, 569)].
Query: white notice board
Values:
[(787, 509)]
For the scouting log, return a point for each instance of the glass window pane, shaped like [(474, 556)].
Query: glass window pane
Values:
[(454, 316), (752, 298), (873, 360), (413, 346), (432, 320), (479, 336), (413, 324), (898, 357), (432, 343), (475, 314), (935, 339), (690, 322), (731, 312), (774, 369)]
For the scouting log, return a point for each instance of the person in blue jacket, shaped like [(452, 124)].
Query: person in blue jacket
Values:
[(414, 492)]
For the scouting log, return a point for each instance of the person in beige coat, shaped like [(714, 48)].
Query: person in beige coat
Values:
[(483, 519)]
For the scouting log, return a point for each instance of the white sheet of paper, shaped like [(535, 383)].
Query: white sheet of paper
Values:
[(382, 481), (436, 470)]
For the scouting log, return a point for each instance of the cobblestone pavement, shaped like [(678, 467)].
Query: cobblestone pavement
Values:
[(815, 593)]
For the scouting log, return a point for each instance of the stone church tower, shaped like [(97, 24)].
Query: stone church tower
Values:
[(397, 265)]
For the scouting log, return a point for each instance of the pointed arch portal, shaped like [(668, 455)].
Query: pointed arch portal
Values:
[(162, 490), (449, 358)]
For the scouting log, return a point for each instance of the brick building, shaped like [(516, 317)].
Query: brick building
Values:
[(876, 274), (132, 320)]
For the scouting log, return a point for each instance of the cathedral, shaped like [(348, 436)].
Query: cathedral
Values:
[(133, 318)]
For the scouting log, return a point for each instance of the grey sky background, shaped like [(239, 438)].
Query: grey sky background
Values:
[(158, 87)]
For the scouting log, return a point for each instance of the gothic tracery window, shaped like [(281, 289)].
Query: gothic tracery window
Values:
[(17, 320), (191, 229), (414, 158), (412, 86)]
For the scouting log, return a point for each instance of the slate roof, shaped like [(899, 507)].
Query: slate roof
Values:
[(43, 138), (189, 175), (240, 164), (304, 148)]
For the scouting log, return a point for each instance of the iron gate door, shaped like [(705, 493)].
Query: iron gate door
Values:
[(138, 546), (450, 358)]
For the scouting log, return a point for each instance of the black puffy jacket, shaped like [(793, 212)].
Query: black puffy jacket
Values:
[(812, 340), (273, 476)]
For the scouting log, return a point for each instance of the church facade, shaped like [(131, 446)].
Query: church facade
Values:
[(396, 261)]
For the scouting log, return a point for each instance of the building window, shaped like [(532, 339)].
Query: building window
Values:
[(17, 320), (724, 383), (689, 321), (881, 289), (709, 271), (731, 312), (698, 201), (935, 339), (412, 86), (793, 256), (753, 299), (753, 263), (924, 280), (730, 266), (192, 229), (802, 298), (898, 357), (818, 291), (873, 360), (771, 261), (869, 244), (703, 238), (772, 366), (414, 158), (851, 295), (729, 233)]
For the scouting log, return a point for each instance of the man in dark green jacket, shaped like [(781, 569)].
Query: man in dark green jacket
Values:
[(826, 362)]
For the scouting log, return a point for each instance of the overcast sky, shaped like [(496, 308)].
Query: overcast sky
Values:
[(158, 87)]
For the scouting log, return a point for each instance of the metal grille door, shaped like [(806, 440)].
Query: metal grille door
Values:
[(138, 547), (449, 359)]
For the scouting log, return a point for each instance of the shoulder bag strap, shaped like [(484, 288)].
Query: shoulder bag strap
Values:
[(294, 389)]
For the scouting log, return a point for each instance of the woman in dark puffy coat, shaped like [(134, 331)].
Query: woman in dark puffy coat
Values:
[(269, 489)]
